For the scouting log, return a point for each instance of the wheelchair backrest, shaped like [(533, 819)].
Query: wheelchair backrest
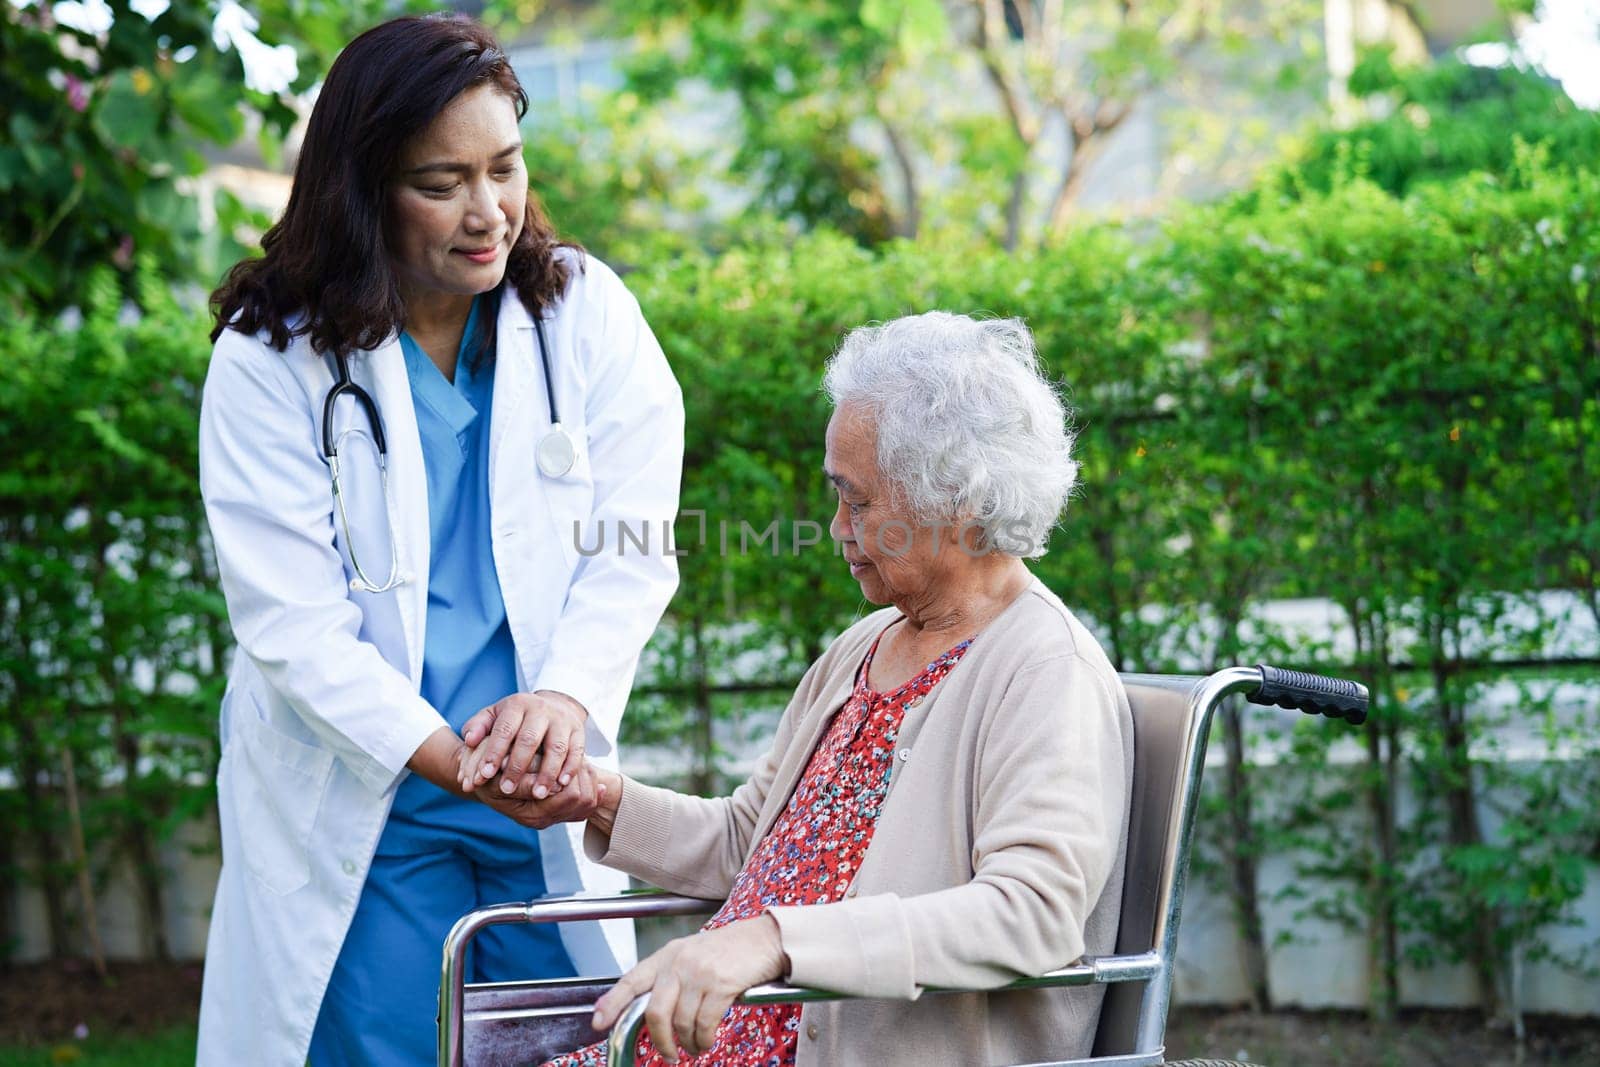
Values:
[(1164, 710)]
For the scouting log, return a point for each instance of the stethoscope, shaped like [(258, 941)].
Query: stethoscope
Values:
[(555, 455)]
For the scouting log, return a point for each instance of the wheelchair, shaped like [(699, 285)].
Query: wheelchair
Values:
[(503, 1023)]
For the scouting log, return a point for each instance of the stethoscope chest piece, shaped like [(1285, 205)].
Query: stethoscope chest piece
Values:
[(555, 453)]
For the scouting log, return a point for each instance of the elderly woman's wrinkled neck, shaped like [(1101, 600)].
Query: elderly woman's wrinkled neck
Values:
[(943, 576)]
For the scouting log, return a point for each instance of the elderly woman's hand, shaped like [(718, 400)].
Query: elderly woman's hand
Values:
[(584, 794), (692, 982), (508, 737)]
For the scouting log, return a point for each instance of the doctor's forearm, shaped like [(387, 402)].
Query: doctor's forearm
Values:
[(438, 760)]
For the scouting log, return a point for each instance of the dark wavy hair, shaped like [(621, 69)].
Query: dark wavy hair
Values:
[(326, 260)]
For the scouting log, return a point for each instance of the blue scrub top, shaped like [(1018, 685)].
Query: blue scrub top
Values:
[(468, 658)]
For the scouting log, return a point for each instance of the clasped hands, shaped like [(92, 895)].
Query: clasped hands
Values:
[(524, 757)]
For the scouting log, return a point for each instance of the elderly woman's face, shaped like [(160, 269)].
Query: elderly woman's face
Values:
[(894, 558), (457, 199)]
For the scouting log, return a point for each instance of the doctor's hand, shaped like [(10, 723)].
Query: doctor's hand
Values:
[(523, 733), (584, 795), (692, 982)]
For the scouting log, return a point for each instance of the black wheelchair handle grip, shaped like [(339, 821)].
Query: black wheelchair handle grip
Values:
[(1313, 694)]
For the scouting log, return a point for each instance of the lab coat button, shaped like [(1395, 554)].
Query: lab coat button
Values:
[(904, 754), (850, 892), (811, 1031), (349, 867)]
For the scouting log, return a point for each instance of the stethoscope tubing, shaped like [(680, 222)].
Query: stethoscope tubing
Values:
[(549, 379), (343, 385)]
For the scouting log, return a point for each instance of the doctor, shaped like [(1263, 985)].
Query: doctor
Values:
[(419, 400)]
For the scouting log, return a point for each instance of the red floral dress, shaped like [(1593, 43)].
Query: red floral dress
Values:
[(810, 856)]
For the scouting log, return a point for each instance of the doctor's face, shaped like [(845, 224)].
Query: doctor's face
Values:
[(457, 199)]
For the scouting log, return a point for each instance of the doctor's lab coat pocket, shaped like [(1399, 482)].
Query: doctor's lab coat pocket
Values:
[(280, 783)]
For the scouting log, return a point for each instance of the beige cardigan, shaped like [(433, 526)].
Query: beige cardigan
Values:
[(998, 853)]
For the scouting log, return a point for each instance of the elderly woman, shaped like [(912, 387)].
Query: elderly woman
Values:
[(945, 803)]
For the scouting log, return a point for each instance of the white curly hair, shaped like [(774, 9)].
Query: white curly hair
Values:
[(969, 429)]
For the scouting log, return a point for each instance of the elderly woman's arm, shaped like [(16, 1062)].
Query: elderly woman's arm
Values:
[(1049, 808), (688, 844)]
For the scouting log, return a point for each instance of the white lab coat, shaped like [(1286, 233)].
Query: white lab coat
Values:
[(322, 707)]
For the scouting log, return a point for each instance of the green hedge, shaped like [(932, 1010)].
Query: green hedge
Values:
[(1444, 120), (113, 632), (1388, 403)]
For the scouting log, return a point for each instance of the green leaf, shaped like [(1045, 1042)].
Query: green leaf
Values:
[(209, 107), (126, 116)]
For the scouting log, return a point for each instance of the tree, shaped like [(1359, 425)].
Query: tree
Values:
[(892, 117), (104, 113), (1444, 120)]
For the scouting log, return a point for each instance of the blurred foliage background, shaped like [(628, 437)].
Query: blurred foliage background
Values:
[(1347, 358)]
